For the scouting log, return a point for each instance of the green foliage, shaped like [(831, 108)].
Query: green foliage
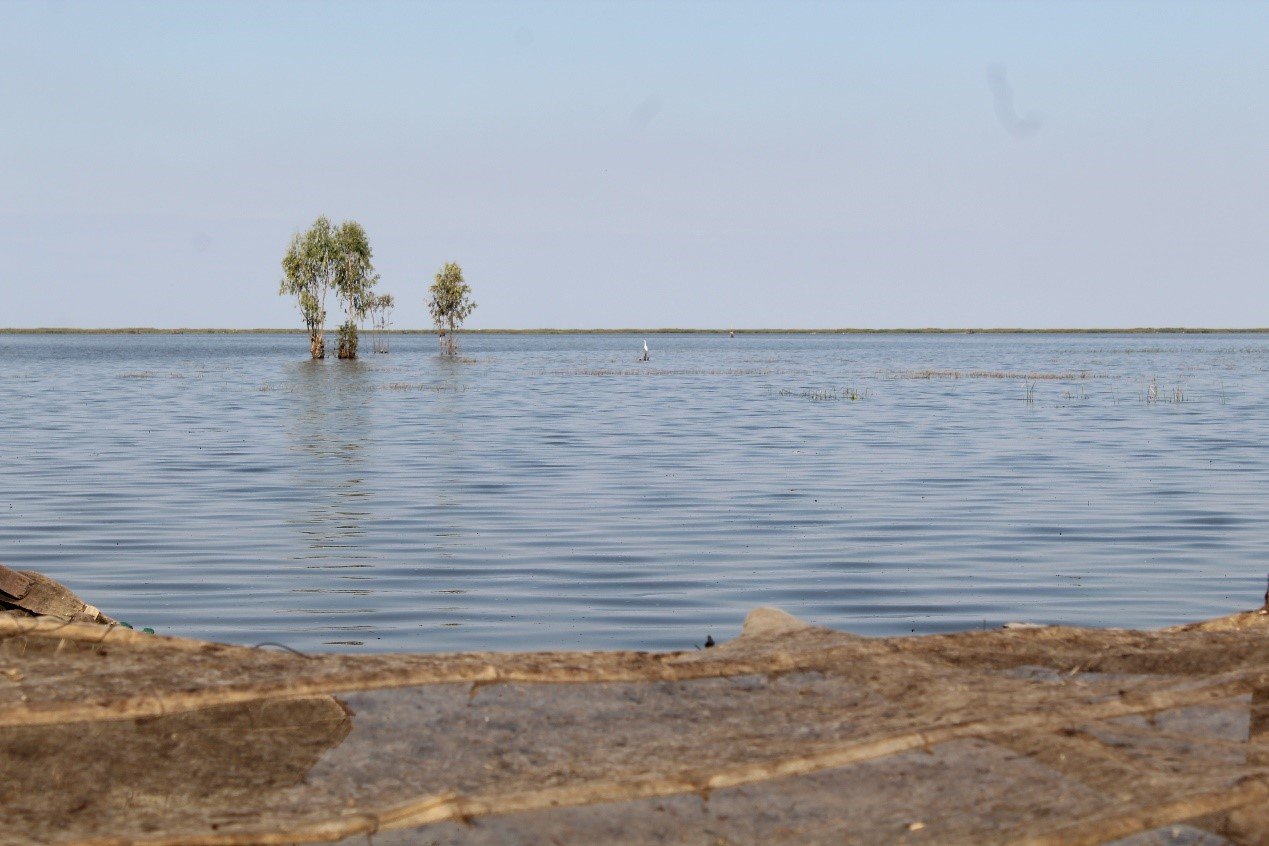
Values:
[(348, 339), (380, 318), (379, 308), (323, 258), (308, 268), (450, 304), (355, 276)]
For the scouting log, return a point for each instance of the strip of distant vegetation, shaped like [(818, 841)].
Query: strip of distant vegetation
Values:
[(1162, 330)]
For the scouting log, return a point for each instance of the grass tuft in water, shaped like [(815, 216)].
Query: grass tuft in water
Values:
[(849, 394), (993, 374), (1151, 394)]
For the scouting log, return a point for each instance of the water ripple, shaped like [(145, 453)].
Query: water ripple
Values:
[(551, 492)]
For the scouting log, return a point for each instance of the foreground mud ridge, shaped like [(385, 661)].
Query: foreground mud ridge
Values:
[(788, 734)]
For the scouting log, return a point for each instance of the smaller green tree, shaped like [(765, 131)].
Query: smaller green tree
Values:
[(380, 319), (450, 305)]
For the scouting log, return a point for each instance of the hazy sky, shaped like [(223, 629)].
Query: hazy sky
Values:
[(638, 164)]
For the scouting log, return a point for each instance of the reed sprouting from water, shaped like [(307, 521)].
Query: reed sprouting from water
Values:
[(1152, 394), (423, 386), (654, 371), (993, 374), (829, 395)]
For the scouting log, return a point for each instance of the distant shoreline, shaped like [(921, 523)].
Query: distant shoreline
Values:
[(1162, 330)]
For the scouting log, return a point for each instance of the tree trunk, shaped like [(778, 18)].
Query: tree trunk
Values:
[(317, 345)]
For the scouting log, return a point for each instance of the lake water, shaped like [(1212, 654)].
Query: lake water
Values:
[(554, 492)]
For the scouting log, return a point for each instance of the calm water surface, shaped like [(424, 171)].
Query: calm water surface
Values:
[(553, 492)]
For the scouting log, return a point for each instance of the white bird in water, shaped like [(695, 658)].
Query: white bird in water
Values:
[(645, 350)]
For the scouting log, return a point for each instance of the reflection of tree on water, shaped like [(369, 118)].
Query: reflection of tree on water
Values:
[(330, 429), (334, 456), (451, 457), (442, 548)]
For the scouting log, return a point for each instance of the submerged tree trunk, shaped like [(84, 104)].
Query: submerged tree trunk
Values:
[(317, 344)]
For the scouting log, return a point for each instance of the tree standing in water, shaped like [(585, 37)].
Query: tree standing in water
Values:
[(450, 305), (380, 319), (308, 270), (354, 282), (323, 258)]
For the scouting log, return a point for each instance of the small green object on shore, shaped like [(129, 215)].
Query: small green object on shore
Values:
[(126, 625), (148, 630)]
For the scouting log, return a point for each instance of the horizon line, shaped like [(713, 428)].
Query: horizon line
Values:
[(927, 330)]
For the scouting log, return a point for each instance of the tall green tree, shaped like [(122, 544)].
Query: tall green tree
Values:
[(308, 270), (450, 304), (354, 282), (327, 257)]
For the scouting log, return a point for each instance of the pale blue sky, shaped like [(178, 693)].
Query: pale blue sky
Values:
[(641, 164)]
